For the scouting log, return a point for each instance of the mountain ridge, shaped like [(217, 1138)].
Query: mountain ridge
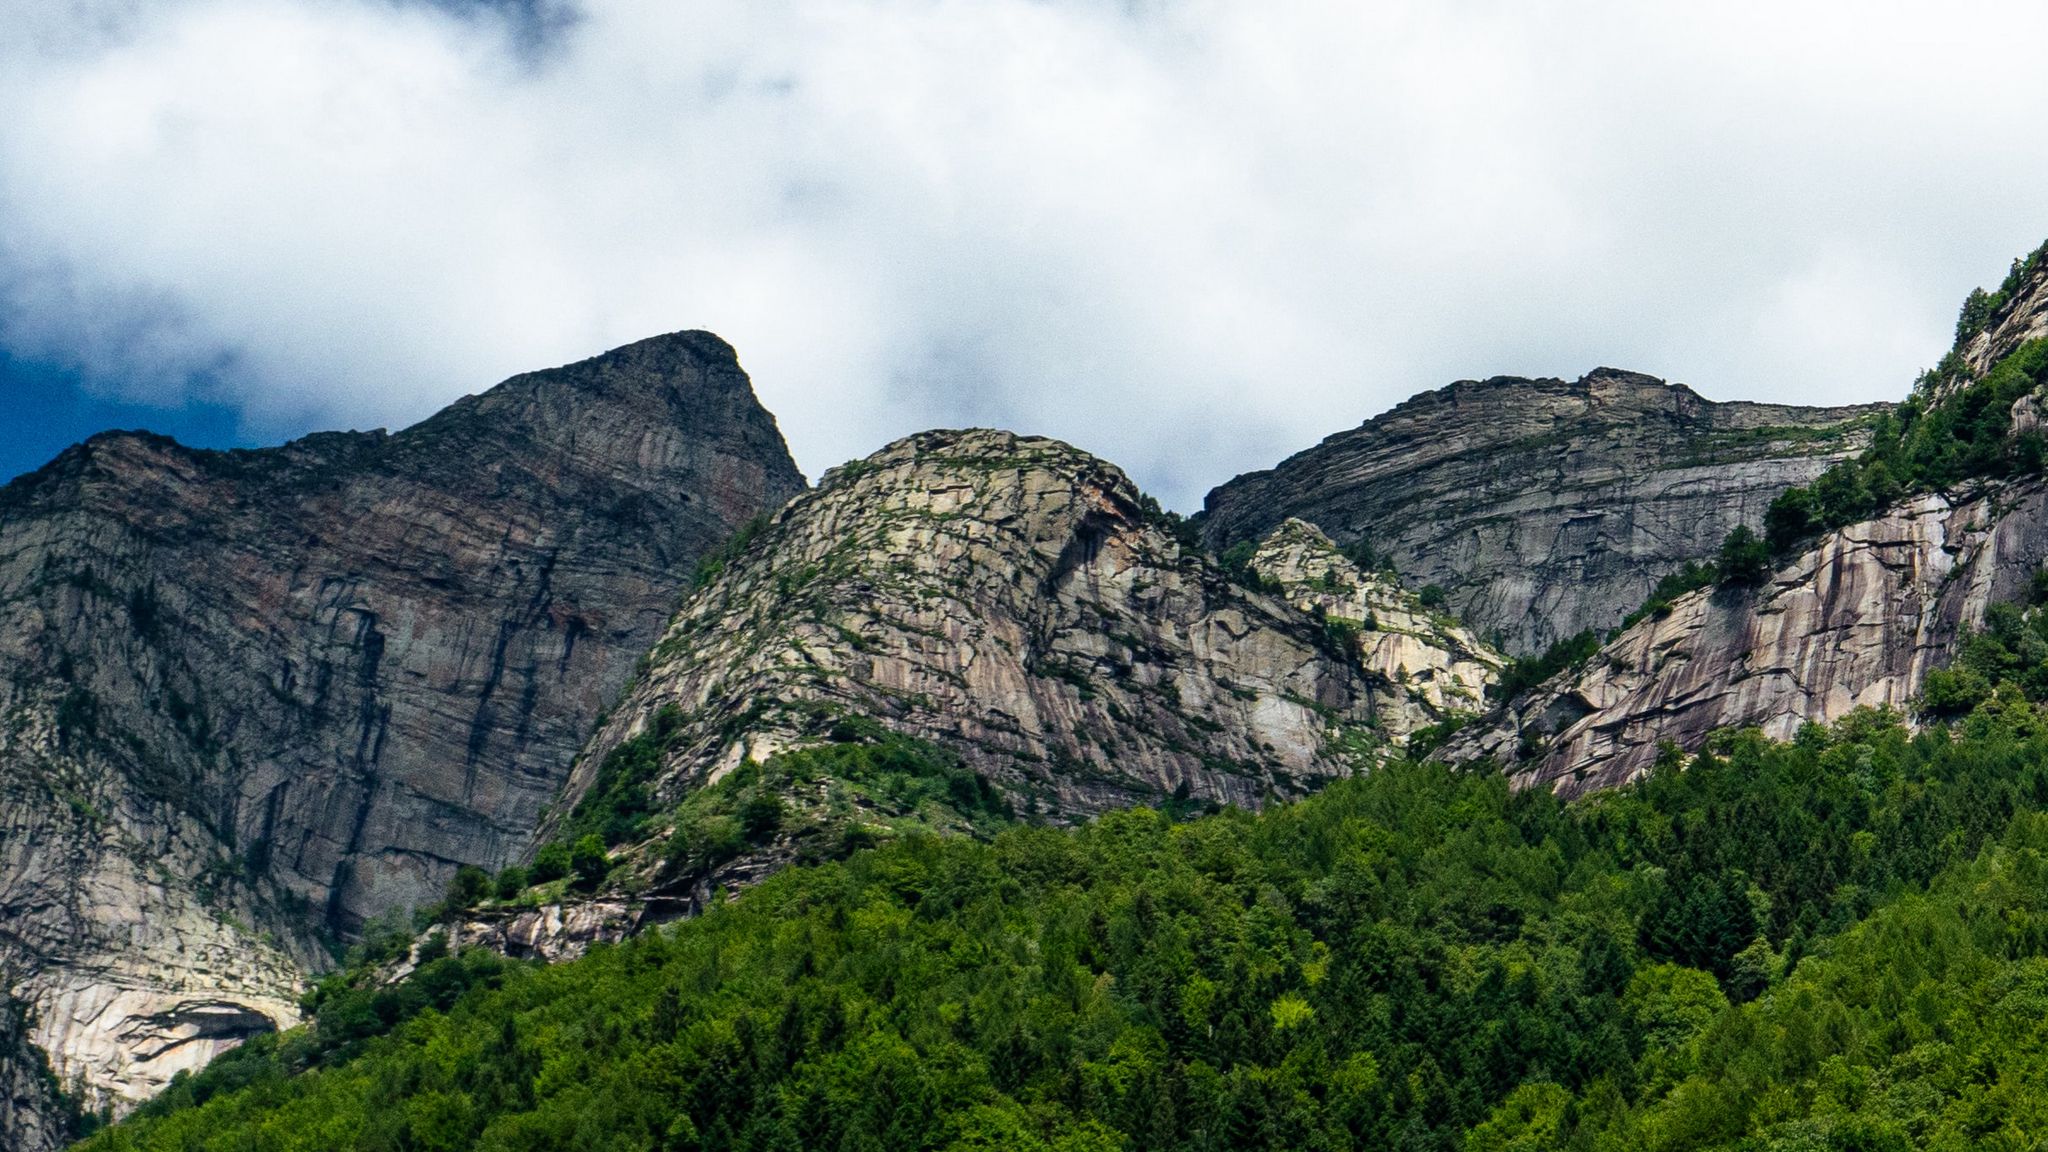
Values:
[(255, 698), (1543, 507)]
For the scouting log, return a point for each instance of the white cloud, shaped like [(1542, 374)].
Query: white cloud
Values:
[(1190, 236)]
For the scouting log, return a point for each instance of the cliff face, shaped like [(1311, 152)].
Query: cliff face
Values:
[(1430, 665), (1007, 597), (254, 698), (1857, 620), (31, 1114), (1544, 507)]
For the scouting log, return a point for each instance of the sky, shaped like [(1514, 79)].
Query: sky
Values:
[(1192, 237)]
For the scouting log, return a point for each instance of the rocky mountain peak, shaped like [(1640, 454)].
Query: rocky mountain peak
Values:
[(1014, 598), (1008, 600), (258, 697), (1543, 507)]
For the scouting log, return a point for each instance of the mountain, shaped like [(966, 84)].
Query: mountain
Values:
[(1921, 553), (1543, 507), (1857, 620), (964, 771), (253, 699), (1838, 943), (1054, 645)]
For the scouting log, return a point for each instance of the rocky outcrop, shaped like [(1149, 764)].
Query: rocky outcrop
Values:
[(250, 699), (1016, 601), (551, 932), (1544, 507), (1433, 665), (2021, 316), (33, 1115), (1856, 621)]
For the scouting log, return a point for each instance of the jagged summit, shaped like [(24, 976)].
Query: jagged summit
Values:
[(258, 697), (1543, 506)]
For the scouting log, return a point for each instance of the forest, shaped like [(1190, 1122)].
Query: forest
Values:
[(1836, 942)]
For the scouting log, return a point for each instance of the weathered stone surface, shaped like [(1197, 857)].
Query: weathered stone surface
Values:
[(551, 932), (1544, 507), (1008, 597), (1433, 665), (249, 699), (32, 1117), (1857, 620)]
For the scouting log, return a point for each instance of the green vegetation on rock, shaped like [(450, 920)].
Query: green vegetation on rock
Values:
[(1527, 672), (1926, 445)]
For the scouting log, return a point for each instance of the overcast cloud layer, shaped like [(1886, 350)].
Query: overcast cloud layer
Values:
[(1192, 237)]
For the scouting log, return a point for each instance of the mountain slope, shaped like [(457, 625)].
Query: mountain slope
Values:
[(1857, 621), (972, 628), (254, 698), (1839, 943), (1859, 609), (1543, 507), (1421, 653), (1012, 600)]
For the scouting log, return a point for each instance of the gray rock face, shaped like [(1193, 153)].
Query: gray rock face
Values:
[(1544, 507), (250, 699), (1006, 596), (1857, 621), (32, 1117)]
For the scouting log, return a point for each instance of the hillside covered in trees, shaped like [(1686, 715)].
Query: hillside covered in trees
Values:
[(1836, 942)]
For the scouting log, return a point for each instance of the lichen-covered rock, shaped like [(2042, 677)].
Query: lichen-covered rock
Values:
[(1858, 620), (1544, 507), (1434, 665), (1011, 599), (250, 699)]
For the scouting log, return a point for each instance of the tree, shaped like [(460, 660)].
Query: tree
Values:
[(511, 882), (553, 863), (1745, 560), (760, 816), (1791, 518), (589, 862), (470, 885)]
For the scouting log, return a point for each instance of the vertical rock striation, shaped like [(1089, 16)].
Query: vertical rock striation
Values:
[(1858, 620), (250, 699)]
